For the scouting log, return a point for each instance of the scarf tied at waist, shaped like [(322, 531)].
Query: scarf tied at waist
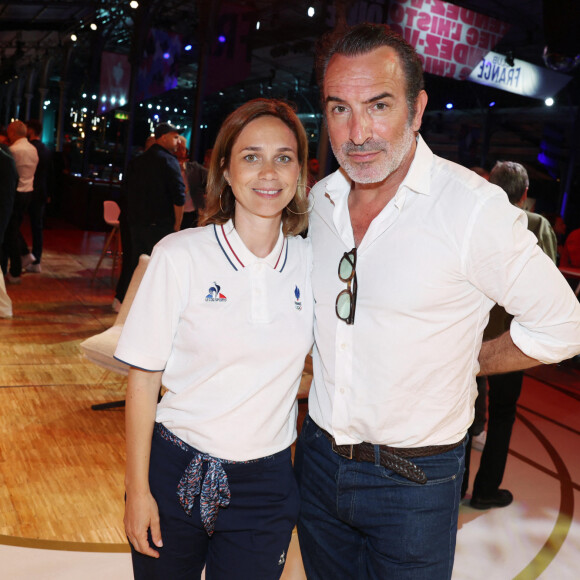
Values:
[(213, 489)]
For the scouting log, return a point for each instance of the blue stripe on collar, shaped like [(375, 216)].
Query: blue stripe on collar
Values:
[(215, 230)]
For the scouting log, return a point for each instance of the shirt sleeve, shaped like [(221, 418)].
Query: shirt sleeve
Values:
[(504, 261), (147, 337), (547, 240)]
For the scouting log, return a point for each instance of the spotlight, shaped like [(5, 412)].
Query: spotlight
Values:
[(221, 38), (492, 104), (449, 106), (311, 11), (188, 47), (74, 37), (134, 4), (93, 26), (549, 102)]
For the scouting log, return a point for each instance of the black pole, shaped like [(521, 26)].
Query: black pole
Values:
[(208, 13)]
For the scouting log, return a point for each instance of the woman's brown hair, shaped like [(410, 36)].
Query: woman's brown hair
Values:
[(220, 200)]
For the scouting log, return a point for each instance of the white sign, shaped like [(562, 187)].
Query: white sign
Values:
[(523, 78)]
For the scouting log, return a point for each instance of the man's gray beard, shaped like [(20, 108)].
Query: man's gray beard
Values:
[(374, 172)]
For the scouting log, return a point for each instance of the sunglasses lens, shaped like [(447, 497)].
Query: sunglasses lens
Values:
[(345, 269), (343, 305)]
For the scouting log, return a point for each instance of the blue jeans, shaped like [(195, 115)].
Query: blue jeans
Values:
[(360, 520)]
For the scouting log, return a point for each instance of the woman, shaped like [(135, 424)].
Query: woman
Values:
[(223, 319), (195, 177)]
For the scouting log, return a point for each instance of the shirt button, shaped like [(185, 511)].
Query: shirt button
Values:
[(344, 346), (342, 391)]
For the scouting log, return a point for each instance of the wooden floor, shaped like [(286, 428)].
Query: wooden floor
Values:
[(61, 463)]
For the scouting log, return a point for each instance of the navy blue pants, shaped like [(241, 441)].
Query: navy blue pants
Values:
[(251, 536)]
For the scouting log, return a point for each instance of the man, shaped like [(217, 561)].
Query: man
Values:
[(8, 183), (38, 198), (513, 179), (423, 249), (155, 193), (127, 265), (26, 160), (505, 389)]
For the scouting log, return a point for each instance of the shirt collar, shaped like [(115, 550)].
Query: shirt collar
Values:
[(418, 178), (238, 254)]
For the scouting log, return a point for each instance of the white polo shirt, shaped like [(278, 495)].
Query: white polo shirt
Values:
[(230, 332), (429, 269)]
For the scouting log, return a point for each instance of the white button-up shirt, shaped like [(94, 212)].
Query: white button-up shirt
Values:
[(429, 269), (26, 159)]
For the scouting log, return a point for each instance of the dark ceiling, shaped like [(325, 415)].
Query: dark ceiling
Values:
[(281, 50)]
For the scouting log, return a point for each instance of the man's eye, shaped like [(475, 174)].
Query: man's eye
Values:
[(381, 106), (339, 109)]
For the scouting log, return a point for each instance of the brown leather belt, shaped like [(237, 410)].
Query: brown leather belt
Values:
[(393, 458)]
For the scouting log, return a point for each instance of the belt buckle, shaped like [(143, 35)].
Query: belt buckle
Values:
[(345, 451)]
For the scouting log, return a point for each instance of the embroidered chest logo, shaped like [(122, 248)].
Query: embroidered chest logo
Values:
[(214, 294), (297, 302)]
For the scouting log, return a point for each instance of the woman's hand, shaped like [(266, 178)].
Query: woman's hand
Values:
[(142, 514)]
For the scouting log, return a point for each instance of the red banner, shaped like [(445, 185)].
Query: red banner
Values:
[(450, 40), (115, 79)]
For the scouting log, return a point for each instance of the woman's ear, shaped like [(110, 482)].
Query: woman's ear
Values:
[(226, 172)]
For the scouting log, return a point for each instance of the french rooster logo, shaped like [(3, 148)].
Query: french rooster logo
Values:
[(214, 294)]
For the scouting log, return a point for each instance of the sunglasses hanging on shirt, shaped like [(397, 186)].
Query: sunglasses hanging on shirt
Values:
[(346, 299)]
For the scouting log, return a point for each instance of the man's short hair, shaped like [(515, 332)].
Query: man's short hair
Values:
[(512, 177), (364, 38), (164, 128), (35, 126), (16, 130)]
